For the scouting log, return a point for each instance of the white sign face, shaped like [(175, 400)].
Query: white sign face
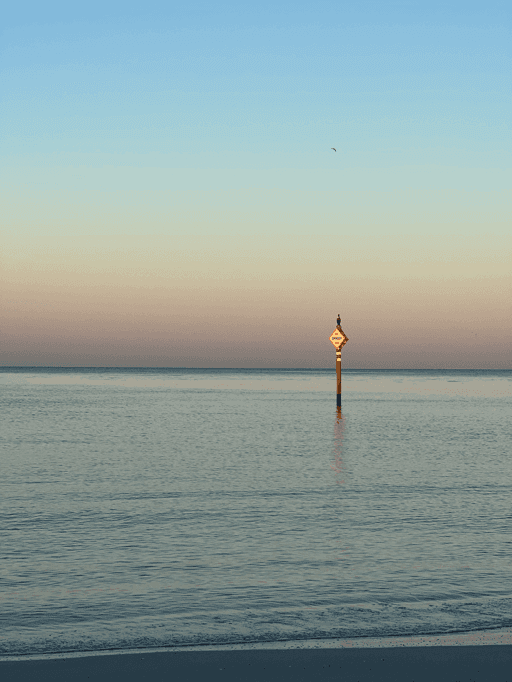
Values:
[(337, 338)]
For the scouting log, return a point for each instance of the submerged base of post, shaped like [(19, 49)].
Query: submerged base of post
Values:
[(338, 400)]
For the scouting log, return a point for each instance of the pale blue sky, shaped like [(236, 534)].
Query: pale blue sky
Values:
[(124, 120), (112, 101), (275, 85)]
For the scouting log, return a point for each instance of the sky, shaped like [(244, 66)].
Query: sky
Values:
[(170, 197)]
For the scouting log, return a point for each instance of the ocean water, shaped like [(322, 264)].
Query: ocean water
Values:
[(150, 508)]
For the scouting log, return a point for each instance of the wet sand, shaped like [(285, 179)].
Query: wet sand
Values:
[(396, 664)]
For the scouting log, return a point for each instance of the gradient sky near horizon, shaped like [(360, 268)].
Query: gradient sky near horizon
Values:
[(170, 196)]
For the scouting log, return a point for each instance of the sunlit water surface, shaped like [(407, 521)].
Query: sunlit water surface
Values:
[(147, 508)]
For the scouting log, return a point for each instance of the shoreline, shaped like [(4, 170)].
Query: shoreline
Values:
[(498, 637), (448, 663)]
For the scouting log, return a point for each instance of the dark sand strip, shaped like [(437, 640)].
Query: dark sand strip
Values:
[(492, 663)]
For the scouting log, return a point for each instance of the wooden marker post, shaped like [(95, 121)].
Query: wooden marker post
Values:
[(338, 339)]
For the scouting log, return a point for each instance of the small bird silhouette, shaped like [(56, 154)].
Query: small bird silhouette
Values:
[(333, 148)]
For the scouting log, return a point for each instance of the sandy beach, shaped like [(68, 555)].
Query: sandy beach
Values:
[(407, 663), (413, 664)]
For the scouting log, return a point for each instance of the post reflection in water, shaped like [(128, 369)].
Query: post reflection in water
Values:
[(339, 428)]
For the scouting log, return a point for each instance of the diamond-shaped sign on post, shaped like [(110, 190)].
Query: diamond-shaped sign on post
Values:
[(338, 339)]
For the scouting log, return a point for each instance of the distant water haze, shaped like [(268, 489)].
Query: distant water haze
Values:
[(227, 301)]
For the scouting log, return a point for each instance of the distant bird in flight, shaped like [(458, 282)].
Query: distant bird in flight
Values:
[(333, 148)]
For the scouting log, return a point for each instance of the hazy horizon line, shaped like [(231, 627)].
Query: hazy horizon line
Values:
[(257, 369)]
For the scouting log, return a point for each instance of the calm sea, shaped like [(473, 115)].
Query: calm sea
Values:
[(149, 508)]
